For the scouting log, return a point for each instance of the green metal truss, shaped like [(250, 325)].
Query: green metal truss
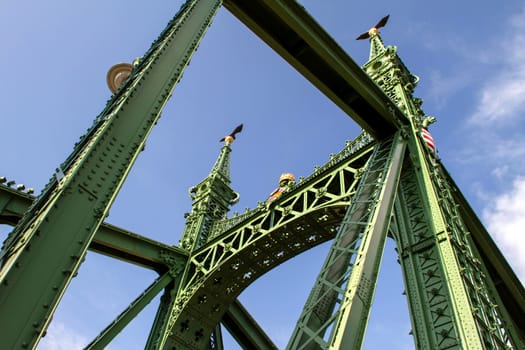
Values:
[(260, 240), (352, 263), (36, 271), (461, 292), (455, 305)]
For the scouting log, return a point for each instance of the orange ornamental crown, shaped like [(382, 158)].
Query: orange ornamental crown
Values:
[(287, 176)]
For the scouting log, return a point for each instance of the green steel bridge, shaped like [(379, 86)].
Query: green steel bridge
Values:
[(461, 292)]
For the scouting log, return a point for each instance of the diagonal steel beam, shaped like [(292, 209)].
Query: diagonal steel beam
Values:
[(506, 282), (245, 329), (287, 28), (109, 240), (113, 329), (124, 245)]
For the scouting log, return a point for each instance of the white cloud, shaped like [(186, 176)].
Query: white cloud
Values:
[(60, 337), (505, 219), (500, 172), (502, 97)]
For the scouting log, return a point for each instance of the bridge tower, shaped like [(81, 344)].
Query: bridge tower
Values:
[(386, 183)]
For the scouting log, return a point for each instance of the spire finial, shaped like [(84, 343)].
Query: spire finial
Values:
[(376, 44), (229, 138), (375, 29)]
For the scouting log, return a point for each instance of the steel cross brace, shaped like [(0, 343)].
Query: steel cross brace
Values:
[(349, 274), (332, 71), (130, 247), (217, 272), (48, 245)]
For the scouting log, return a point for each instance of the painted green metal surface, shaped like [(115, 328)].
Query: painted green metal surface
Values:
[(350, 326), (450, 294), (450, 264), (251, 338), (127, 315), (342, 295), (451, 301), (253, 243), (109, 240), (211, 200), (287, 28), (35, 272)]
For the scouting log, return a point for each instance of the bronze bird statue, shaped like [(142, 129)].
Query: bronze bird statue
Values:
[(231, 136), (374, 29)]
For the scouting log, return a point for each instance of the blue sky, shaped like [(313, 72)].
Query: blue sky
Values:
[(53, 63)]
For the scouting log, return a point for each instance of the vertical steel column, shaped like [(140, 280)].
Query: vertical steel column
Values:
[(350, 328), (452, 299), (425, 285), (46, 249), (353, 260), (446, 259)]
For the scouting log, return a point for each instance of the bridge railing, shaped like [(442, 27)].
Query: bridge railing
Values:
[(351, 148)]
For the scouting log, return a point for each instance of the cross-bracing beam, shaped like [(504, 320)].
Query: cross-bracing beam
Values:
[(301, 41), (133, 248), (288, 29)]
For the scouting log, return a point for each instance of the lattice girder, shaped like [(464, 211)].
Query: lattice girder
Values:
[(341, 298), (61, 223), (449, 286), (273, 233), (452, 298), (428, 298)]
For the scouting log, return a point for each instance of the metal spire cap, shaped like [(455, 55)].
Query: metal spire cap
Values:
[(373, 31)]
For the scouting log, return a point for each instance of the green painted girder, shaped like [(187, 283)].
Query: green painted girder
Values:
[(244, 329), (49, 243), (287, 28), (506, 282), (325, 186), (126, 316), (130, 247), (133, 248), (452, 297), (220, 270), (496, 328), (344, 94), (330, 185), (13, 204), (363, 143), (109, 240), (352, 319), (352, 263)]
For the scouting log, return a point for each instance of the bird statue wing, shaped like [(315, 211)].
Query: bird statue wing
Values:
[(382, 22), (365, 35), (235, 131)]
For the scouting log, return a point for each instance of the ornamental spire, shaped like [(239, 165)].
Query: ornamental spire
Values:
[(211, 199), (222, 165), (376, 43)]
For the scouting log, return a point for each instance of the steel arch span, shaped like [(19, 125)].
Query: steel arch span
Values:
[(462, 293)]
